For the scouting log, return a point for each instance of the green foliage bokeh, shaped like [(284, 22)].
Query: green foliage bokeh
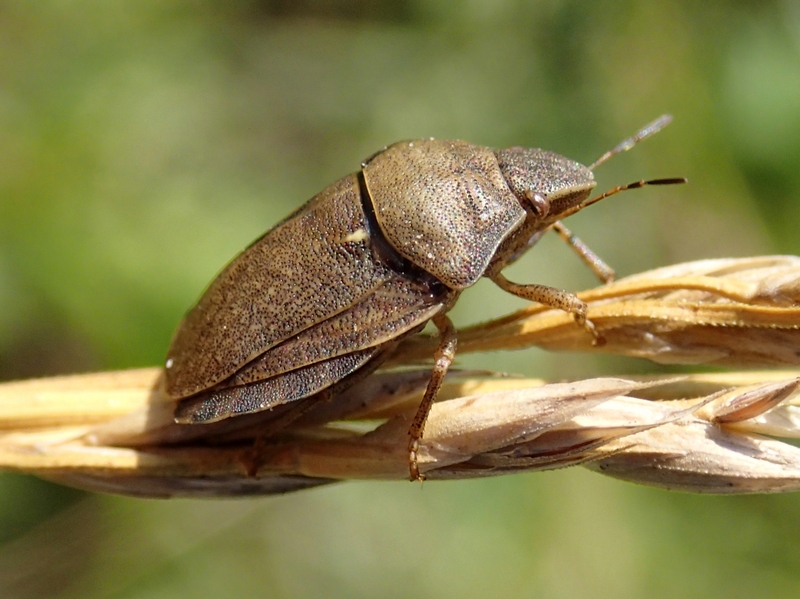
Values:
[(144, 143)]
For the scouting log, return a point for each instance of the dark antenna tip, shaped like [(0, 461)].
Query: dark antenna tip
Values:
[(670, 181), (616, 190), (634, 185)]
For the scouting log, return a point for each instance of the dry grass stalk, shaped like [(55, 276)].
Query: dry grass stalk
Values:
[(707, 433)]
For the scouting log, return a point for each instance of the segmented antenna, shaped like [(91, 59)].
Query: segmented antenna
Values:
[(645, 132), (616, 190)]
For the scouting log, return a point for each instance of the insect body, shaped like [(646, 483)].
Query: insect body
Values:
[(326, 295)]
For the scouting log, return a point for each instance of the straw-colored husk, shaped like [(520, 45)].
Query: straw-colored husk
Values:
[(717, 433)]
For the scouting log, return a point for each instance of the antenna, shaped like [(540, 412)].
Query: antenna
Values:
[(635, 185), (645, 132), (600, 268), (615, 190)]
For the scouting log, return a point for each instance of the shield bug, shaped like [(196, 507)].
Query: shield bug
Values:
[(323, 298)]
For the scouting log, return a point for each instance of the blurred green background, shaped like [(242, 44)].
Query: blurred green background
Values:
[(143, 143)]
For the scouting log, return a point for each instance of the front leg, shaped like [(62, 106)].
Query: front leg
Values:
[(601, 270), (553, 298)]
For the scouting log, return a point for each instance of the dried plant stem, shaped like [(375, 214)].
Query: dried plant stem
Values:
[(114, 431)]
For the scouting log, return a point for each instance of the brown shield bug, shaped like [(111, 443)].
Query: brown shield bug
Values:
[(325, 296)]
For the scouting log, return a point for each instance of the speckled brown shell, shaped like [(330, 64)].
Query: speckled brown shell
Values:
[(325, 295), (443, 205), (309, 291)]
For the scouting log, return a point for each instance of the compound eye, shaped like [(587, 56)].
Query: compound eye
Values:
[(540, 204)]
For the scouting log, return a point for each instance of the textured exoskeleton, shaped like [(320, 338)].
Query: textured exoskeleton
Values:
[(327, 293)]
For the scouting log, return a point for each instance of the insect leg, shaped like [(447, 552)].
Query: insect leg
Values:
[(552, 297), (444, 356), (601, 270)]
